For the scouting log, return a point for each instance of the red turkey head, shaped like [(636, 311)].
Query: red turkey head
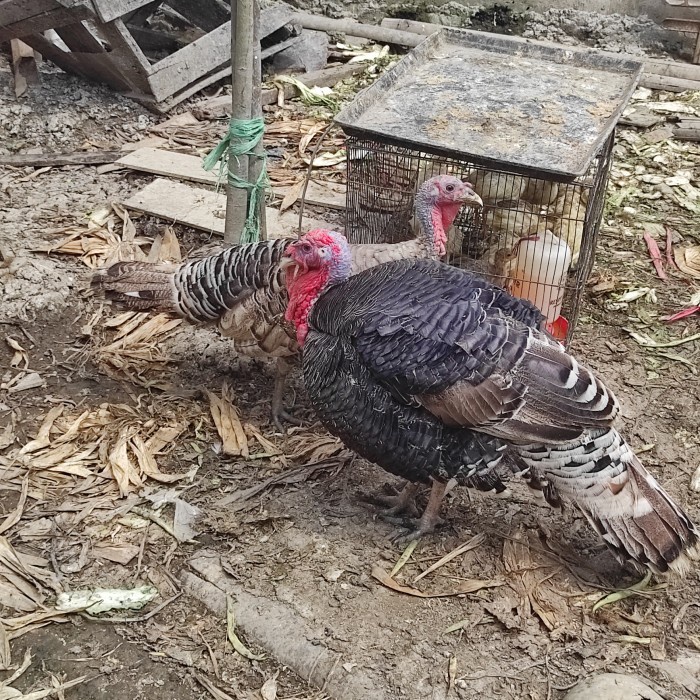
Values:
[(322, 249), (448, 190), (317, 260), (438, 201)]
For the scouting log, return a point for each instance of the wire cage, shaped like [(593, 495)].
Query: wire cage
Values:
[(530, 126), (535, 236)]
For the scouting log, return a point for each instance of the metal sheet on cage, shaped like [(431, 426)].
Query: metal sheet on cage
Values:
[(497, 101)]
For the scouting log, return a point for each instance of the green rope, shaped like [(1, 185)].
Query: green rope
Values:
[(242, 138)]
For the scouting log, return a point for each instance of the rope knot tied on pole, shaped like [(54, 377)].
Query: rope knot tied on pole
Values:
[(242, 138)]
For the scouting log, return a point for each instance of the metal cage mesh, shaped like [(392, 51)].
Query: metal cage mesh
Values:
[(535, 236)]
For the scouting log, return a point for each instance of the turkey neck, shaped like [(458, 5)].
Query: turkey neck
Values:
[(304, 288), (434, 221)]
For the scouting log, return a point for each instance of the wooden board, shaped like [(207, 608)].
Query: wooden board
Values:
[(44, 21), (177, 71), (205, 58), (109, 10), (13, 11), (24, 66), (274, 18), (78, 37), (95, 66), (279, 46), (189, 168), (126, 56), (168, 163), (23, 160), (205, 14), (151, 40), (203, 209)]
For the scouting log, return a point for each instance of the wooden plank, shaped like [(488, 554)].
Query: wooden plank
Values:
[(13, 11), (177, 203), (151, 40), (410, 25), (24, 66), (664, 82), (139, 17), (687, 134), (279, 46), (93, 66), (163, 106), (109, 10), (44, 21), (127, 57), (177, 71), (189, 168), (204, 209), (274, 18), (169, 164), (42, 160), (211, 53), (205, 14), (78, 37), (382, 35)]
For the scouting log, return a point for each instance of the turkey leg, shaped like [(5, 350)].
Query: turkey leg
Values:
[(279, 412), (431, 515), (430, 518)]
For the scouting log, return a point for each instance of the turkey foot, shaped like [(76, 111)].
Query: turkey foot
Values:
[(430, 519), (402, 502), (280, 415)]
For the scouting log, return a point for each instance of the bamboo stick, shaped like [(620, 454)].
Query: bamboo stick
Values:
[(241, 98), (256, 111)]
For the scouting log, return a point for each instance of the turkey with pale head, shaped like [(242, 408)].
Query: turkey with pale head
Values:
[(242, 288), (431, 373)]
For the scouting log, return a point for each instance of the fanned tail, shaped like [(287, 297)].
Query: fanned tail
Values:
[(605, 480), (138, 286), (201, 290)]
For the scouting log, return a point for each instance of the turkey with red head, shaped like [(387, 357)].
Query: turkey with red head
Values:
[(429, 372), (242, 288)]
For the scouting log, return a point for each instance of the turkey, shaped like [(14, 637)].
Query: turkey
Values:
[(242, 288), (429, 372)]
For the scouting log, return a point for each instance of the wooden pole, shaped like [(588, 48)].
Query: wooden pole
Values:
[(256, 111), (241, 98), (366, 31)]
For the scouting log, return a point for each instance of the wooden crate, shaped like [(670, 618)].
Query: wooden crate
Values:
[(99, 40)]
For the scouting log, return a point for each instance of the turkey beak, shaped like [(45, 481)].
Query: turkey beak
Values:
[(471, 198), (286, 262)]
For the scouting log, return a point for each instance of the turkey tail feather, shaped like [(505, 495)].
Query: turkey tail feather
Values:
[(138, 286), (600, 474)]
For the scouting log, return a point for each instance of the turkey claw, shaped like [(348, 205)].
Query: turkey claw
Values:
[(396, 504), (281, 416), (418, 529)]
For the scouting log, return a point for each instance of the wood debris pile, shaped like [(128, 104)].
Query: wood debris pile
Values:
[(158, 53)]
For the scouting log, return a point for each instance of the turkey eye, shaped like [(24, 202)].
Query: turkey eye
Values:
[(450, 188), (306, 248)]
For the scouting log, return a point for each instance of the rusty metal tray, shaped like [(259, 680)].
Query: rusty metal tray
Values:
[(497, 101)]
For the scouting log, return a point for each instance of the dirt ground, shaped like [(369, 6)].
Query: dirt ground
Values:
[(300, 557)]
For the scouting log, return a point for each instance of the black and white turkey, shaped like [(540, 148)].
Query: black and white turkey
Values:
[(431, 372)]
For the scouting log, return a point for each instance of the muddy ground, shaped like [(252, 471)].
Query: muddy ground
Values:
[(299, 557)]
